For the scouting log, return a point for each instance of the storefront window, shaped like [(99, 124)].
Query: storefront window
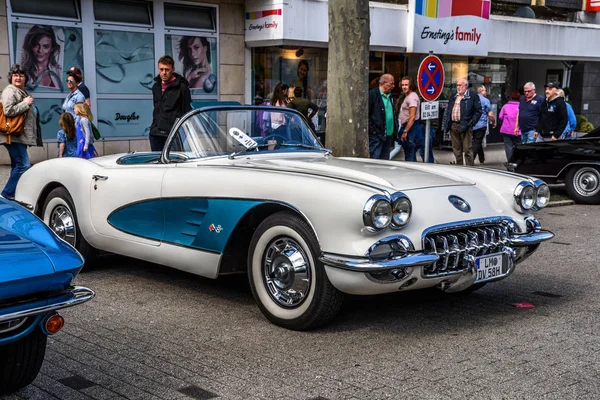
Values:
[(196, 59)]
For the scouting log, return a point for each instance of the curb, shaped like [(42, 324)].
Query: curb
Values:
[(560, 203)]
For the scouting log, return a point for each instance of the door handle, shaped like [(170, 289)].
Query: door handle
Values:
[(99, 177)]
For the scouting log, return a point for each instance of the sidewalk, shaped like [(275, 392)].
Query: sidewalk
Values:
[(494, 156)]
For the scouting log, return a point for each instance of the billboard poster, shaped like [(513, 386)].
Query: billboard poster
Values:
[(451, 27), (124, 62), (47, 52), (196, 60)]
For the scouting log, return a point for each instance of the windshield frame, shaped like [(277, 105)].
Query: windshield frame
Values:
[(164, 159)]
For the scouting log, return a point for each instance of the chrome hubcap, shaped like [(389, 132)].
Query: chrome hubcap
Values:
[(62, 222), (286, 272), (586, 182)]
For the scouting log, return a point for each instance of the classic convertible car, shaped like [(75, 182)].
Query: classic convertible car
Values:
[(576, 163), (251, 190), (36, 272)]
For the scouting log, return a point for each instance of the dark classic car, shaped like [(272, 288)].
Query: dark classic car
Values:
[(576, 163), (36, 274)]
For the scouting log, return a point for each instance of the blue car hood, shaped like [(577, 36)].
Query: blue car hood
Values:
[(32, 258)]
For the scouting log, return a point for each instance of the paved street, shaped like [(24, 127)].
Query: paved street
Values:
[(156, 333)]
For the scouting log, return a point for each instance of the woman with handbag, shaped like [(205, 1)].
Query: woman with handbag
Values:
[(15, 103)]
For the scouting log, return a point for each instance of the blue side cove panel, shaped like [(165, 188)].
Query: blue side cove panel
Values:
[(204, 224)]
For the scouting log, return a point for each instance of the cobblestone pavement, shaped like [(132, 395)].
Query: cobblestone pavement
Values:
[(156, 333)]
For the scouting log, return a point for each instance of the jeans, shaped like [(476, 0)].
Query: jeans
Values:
[(19, 163), (527, 137), (510, 142), (157, 142), (414, 141), (422, 149), (478, 135), (379, 148)]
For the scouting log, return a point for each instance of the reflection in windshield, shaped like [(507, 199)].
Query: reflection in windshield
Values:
[(225, 132)]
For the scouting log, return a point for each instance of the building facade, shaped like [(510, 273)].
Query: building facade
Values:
[(250, 46)]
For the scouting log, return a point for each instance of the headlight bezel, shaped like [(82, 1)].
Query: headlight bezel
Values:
[(518, 194), (368, 210)]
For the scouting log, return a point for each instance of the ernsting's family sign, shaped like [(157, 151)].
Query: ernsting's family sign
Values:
[(451, 27)]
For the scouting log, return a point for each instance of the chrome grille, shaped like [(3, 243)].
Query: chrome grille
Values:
[(458, 246)]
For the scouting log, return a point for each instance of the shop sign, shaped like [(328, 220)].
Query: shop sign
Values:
[(451, 27), (264, 24), (592, 5)]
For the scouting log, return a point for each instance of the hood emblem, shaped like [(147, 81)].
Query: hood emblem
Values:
[(459, 203)]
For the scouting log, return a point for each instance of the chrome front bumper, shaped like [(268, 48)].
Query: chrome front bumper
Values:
[(420, 259), (72, 297)]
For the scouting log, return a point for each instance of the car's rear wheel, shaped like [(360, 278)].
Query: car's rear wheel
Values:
[(287, 279), (21, 361), (60, 215), (583, 184)]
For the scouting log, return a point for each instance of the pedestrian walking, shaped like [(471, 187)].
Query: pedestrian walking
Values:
[(508, 115), (383, 121), (481, 127), (410, 134), (530, 109), (81, 86), (172, 99), (66, 137), (463, 112), (303, 105), (17, 101), (74, 96), (569, 132), (554, 117)]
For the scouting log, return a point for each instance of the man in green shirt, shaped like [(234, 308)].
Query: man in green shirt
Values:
[(383, 121), (303, 105)]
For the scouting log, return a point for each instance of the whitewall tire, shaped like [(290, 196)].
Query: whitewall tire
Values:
[(287, 279)]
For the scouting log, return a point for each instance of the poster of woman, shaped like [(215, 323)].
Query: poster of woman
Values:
[(195, 60), (39, 51)]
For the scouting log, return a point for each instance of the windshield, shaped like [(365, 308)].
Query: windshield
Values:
[(230, 132)]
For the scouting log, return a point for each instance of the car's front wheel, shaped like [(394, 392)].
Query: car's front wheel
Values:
[(583, 184), (60, 215), (287, 279), (21, 361)]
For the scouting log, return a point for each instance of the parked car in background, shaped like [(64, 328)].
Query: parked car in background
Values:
[(36, 275), (576, 163), (251, 190)]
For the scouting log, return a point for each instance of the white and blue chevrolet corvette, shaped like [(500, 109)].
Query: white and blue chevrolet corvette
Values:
[(241, 189)]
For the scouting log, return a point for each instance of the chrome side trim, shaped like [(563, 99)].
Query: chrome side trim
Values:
[(566, 167), (367, 265), (23, 204), (75, 295)]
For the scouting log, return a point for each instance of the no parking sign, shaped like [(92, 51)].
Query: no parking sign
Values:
[(430, 78)]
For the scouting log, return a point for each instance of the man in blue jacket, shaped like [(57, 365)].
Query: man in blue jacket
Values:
[(383, 121), (463, 112)]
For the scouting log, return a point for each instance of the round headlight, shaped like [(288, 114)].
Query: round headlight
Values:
[(542, 196), (528, 198), (377, 213), (382, 214), (401, 211), (525, 196)]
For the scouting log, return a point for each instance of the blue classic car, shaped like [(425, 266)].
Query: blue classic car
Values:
[(36, 274)]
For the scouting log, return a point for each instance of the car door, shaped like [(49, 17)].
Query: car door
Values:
[(125, 203)]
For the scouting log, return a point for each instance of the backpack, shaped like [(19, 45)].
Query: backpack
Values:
[(11, 125)]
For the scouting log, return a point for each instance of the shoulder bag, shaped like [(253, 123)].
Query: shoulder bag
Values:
[(11, 125)]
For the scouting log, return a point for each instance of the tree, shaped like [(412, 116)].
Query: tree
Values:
[(348, 78)]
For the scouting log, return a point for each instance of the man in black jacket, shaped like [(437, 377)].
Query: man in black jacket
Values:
[(172, 99), (383, 121), (554, 116), (463, 112)]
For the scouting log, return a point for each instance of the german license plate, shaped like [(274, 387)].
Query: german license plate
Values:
[(489, 267)]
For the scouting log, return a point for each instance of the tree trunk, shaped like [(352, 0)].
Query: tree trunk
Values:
[(348, 78)]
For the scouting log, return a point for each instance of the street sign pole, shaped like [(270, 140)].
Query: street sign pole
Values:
[(430, 82)]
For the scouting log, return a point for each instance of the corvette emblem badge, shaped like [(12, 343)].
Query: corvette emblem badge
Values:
[(214, 228), (459, 203)]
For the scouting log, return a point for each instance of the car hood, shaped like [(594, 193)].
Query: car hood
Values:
[(383, 174)]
